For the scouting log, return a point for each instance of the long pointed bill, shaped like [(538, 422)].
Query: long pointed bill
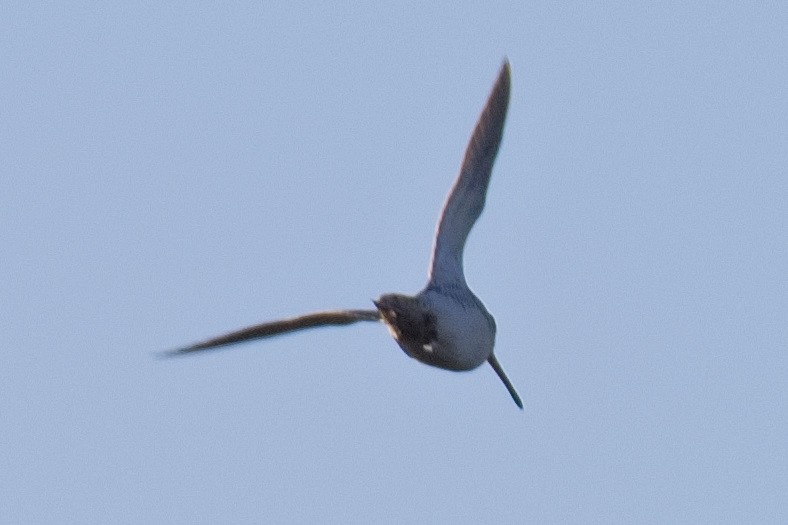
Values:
[(498, 370)]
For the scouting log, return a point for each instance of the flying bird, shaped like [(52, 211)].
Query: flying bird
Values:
[(445, 325)]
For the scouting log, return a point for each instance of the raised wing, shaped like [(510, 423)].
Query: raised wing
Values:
[(466, 199), (336, 317)]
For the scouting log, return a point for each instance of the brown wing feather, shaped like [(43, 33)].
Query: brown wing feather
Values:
[(336, 317), (466, 198)]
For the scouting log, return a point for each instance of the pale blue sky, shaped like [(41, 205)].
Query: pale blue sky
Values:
[(170, 172)]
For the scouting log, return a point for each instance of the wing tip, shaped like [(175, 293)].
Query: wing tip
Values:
[(161, 355), (506, 68), (176, 352), (504, 81), (181, 351)]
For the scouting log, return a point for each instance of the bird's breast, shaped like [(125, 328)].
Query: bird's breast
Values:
[(464, 331)]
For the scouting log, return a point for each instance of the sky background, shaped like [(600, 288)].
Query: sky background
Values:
[(170, 172)]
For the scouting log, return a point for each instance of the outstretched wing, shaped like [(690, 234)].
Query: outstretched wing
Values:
[(336, 317), (466, 199)]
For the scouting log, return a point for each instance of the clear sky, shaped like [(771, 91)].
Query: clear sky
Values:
[(168, 173)]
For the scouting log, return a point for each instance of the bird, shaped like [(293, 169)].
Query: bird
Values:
[(444, 325)]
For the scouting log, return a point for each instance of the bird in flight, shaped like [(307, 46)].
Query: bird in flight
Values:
[(444, 325)]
